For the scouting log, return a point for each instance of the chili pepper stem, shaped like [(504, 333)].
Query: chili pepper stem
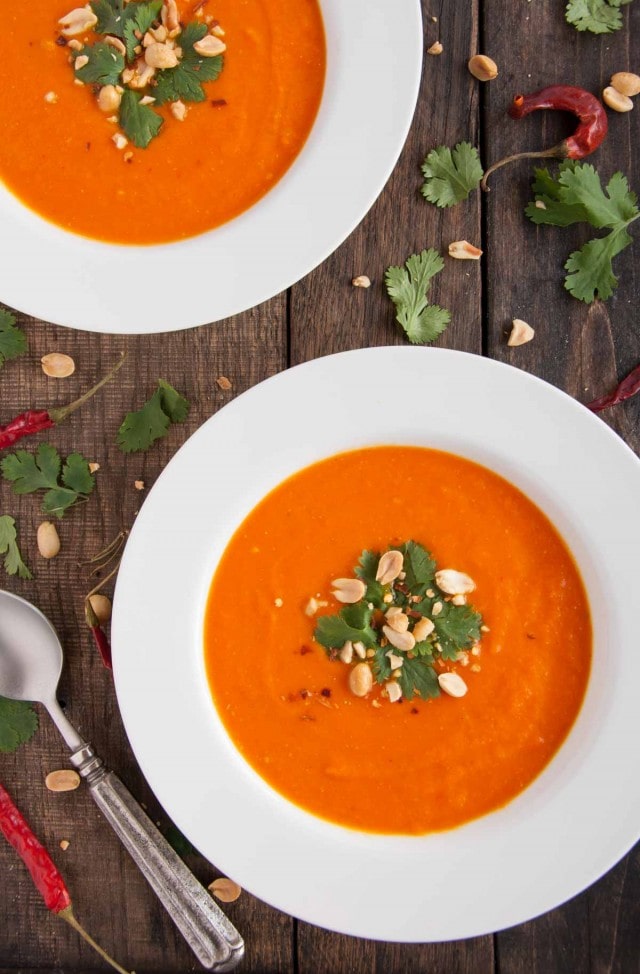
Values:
[(68, 915), (555, 152), (57, 415)]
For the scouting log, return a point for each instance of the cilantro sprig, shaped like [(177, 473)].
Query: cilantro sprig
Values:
[(450, 175), (576, 195), (186, 79), (151, 422), (13, 341), (596, 16), (65, 484), (13, 563), (455, 626), (408, 287), (18, 723)]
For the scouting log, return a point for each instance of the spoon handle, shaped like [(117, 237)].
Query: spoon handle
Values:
[(211, 936)]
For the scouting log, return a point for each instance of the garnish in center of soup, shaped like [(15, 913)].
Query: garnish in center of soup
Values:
[(424, 686)]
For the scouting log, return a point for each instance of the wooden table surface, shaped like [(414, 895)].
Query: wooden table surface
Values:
[(581, 349)]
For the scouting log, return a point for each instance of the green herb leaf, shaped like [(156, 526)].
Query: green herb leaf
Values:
[(13, 563), (457, 628), (576, 195), (419, 567), (450, 175), (13, 341), (18, 723), (41, 471), (138, 122), (185, 81), (142, 428), (366, 570), (381, 665), (408, 288), (174, 405), (110, 14), (104, 67), (332, 632), (417, 677), (140, 17), (597, 16)]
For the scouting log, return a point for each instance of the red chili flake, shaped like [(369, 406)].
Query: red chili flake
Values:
[(61, 41), (218, 102), (326, 692), (304, 694), (305, 649), (414, 710)]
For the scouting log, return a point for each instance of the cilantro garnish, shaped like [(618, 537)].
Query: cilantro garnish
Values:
[(13, 341), (104, 67), (138, 122), (65, 484), (18, 723), (142, 428), (576, 196), (597, 16), (143, 85), (446, 627), (13, 563), (451, 174), (408, 288), (186, 79)]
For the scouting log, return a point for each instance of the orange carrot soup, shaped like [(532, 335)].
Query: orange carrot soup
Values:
[(397, 640), (154, 120)]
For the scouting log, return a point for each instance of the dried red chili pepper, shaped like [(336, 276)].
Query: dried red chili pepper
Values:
[(564, 98), (43, 870), (36, 420), (99, 636), (629, 386)]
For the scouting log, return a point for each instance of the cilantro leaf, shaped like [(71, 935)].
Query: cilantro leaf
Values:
[(457, 628), (332, 632), (417, 677), (577, 196), (408, 287), (366, 570), (13, 563), (139, 17), (381, 665), (450, 175), (590, 268), (419, 567), (18, 723), (174, 405), (104, 67), (138, 122), (41, 471), (186, 79), (13, 341), (110, 14), (597, 16)]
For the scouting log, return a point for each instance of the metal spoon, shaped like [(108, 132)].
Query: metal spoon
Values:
[(30, 667)]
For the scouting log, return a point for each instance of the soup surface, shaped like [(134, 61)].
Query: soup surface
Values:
[(58, 156), (419, 765)]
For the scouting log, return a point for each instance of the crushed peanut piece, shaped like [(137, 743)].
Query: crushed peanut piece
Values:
[(361, 680), (521, 333), (389, 567), (482, 67), (57, 365), (435, 49), (616, 100), (626, 83), (453, 582), (224, 383), (51, 98), (93, 467), (119, 140), (463, 250), (209, 46), (348, 590), (179, 110), (225, 889), (393, 691), (78, 21), (278, 603), (361, 281), (64, 844), (65, 780), (452, 684), (138, 484)]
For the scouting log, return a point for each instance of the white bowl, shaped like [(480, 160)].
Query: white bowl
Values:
[(565, 830), (374, 59)]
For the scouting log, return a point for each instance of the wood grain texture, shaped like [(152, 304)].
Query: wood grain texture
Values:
[(582, 350)]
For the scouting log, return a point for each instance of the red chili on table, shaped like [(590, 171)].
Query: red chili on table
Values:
[(563, 98), (36, 420), (629, 387), (43, 870), (99, 635)]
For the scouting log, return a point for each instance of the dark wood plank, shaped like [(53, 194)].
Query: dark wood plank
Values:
[(112, 898), (583, 350), (329, 315)]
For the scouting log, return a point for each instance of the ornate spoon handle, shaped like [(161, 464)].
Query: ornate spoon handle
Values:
[(213, 939)]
